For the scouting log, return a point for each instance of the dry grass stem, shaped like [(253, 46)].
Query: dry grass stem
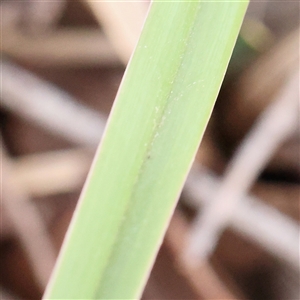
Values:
[(122, 23), (61, 48), (48, 106), (204, 280), (254, 219), (275, 124), (52, 173), (27, 223)]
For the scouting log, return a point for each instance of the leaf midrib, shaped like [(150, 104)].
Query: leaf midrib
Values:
[(148, 151)]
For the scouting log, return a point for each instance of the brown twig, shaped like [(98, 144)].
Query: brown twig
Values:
[(203, 279), (27, 223), (254, 219), (49, 106), (277, 122), (52, 172), (122, 23), (64, 47)]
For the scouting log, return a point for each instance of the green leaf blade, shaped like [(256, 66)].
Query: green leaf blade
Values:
[(158, 119)]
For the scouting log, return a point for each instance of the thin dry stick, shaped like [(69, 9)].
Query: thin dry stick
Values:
[(204, 280), (254, 219), (48, 106), (27, 223), (64, 47), (62, 171), (52, 172), (274, 125), (122, 23)]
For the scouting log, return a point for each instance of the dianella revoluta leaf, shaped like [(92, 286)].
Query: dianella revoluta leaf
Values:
[(153, 132)]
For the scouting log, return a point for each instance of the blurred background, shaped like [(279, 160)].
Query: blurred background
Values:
[(61, 65)]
